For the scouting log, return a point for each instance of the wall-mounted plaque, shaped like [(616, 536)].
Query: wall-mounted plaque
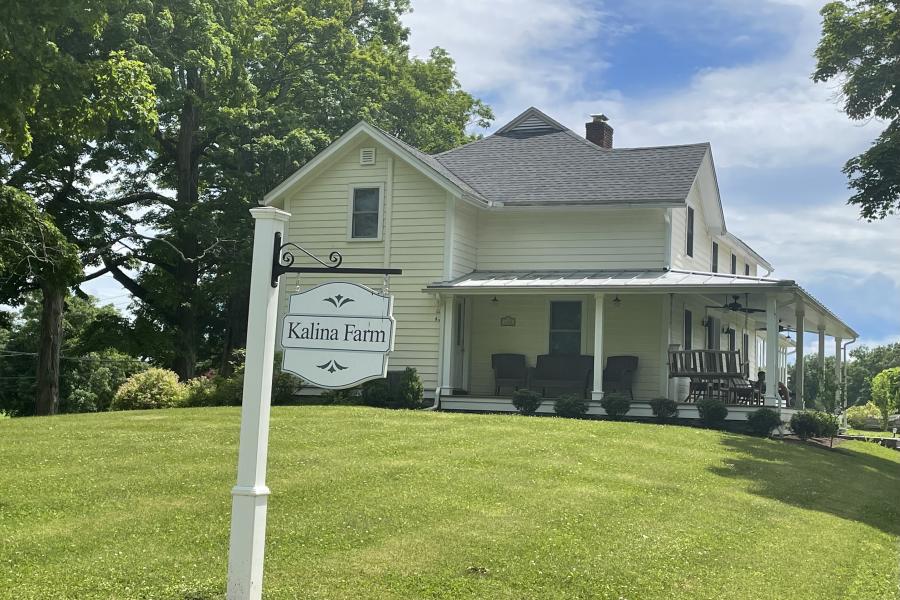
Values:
[(507, 321)]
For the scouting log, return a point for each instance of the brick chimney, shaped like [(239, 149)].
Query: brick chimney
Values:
[(599, 132)]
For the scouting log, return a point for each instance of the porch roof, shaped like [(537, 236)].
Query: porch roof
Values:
[(657, 281)]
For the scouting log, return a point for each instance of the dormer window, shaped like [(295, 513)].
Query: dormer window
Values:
[(365, 213)]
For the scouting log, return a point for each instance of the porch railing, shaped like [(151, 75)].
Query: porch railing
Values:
[(716, 374)]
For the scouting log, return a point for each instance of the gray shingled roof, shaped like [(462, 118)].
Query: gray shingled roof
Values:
[(553, 165)]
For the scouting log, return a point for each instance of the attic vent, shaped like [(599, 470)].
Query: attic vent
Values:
[(367, 156), (533, 123)]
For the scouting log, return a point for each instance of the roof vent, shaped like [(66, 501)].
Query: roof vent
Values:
[(367, 156)]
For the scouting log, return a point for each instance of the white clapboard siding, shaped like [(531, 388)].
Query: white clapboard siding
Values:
[(319, 222), (634, 328), (571, 239), (465, 239)]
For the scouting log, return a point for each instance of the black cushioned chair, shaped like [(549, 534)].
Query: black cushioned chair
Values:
[(510, 370), (563, 371), (618, 376)]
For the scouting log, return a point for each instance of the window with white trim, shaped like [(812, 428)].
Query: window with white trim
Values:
[(733, 264), (365, 221), (565, 327), (715, 257), (690, 232), (688, 335)]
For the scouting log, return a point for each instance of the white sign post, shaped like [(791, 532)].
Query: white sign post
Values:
[(250, 495), (336, 336)]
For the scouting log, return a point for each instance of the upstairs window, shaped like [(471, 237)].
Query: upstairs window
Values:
[(365, 209), (733, 264), (690, 232), (565, 327), (715, 258), (746, 269)]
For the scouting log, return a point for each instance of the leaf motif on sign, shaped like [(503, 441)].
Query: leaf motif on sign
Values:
[(331, 366), (338, 301)]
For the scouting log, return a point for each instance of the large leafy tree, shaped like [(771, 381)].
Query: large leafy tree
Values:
[(248, 92), (886, 393), (67, 96), (860, 46), (865, 363)]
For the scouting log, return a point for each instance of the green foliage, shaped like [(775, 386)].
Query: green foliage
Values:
[(346, 397), (376, 393), (828, 424), (762, 421), (90, 383), (664, 408), (153, 388), (410, 391), (571, 406), (527, 402), (713, 412), (805, 424), (864, 364), (215, 389), (860, 48), (860, 416), (886, 393), (33, 251), (616, 404)]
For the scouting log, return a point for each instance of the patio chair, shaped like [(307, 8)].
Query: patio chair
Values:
[(563, 371), (618, 376), (510, 370)]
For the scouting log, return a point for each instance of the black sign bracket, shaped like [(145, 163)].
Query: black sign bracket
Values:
[(283, 262)]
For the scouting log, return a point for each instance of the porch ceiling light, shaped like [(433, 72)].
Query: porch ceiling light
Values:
[(494, 300), (617, 301)]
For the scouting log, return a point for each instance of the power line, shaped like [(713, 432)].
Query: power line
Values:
[(12, 354)]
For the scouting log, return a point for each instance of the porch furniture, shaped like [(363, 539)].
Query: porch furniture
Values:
[(714, 374), (510, 370), (618, 376), (563, 371)]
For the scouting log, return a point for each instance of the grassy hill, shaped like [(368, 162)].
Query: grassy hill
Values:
[(378, 504)]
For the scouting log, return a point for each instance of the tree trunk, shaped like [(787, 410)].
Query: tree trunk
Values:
[(51, 338), (236, 335)]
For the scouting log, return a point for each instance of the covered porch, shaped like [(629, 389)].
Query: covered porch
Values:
[(577, 331)]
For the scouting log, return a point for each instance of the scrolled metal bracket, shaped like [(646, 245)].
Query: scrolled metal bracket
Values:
[(283, 262)]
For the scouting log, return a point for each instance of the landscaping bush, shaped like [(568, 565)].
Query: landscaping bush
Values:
[(376, 393), (89, 384), (153, 388), (616, 405), (863, 416), (345, 397), (410, 391), (664, 408), (526, 401), (713, 412), (805, 424), (762, 421), (828, 425), (214, 389), (570, 405)]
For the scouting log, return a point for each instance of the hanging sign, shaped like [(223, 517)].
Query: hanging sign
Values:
[(338, 334)]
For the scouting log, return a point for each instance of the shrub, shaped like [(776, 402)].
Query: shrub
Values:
[(805, 425), (214, 389), (713, 412), (526, 401), (200, 391), (410, 391), (616, 405), (153, 388), (664, 408), (827, 424), (571, 406), (376, 393), (90, 384), (762, 421), (860, 416), (346, 397)]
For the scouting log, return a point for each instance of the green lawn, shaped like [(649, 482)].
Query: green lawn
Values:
[(369, 503), (869, 433)]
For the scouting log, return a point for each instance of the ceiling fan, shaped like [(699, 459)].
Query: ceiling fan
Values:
[(737, 306)]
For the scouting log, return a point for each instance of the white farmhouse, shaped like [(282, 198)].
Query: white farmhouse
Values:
[(542, 259)]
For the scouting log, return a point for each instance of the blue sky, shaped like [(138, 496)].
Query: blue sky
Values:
[(734, 73), (731, 72)]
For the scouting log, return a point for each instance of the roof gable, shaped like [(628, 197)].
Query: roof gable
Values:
[(532, 120)]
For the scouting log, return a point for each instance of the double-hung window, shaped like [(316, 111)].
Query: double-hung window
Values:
[(715, 257), (688, 331), (565, 327), (733, 264), (365, 213)]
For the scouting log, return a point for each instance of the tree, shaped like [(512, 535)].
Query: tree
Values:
[(819, 386), (886, 393), (861, 45), (864, 364), (67, 93), (248, 92)]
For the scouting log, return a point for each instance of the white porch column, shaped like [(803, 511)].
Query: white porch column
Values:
[(597, 392), (445, 385), (250, 495), (838, 372), (821, 350), (772, 398), (800, 367)]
